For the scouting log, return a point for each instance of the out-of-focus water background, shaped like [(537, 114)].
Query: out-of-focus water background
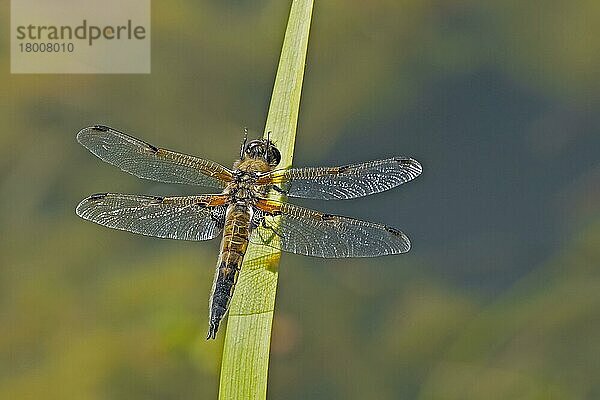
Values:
[(499, 297)]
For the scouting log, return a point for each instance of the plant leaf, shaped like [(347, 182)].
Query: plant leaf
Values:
[(245, 362)]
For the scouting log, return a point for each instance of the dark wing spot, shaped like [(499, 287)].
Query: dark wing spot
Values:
[(152, 147), (343, 168), (327, 217), (393, 231), (101, 128), (98, 196), (217, 214), (157, 199)]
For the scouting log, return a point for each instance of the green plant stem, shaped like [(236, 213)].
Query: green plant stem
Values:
[(245, 363)]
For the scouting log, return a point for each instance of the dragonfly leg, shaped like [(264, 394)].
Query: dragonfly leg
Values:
[(244, 142)]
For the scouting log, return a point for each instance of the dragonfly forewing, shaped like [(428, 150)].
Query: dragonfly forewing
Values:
[(150, 162), (345, 182)]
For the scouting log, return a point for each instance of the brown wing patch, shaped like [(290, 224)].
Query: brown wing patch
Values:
[(270, 207), (208, 200), (213, 200), (282, 176)]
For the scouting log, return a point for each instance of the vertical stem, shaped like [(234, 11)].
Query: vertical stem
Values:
[(245, 363)]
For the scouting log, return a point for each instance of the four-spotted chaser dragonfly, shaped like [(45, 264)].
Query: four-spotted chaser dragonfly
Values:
[(244, 204)]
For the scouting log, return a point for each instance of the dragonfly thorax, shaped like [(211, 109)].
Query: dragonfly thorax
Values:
[(243, 188)]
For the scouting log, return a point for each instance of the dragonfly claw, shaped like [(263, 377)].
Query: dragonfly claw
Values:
[(212, 330)]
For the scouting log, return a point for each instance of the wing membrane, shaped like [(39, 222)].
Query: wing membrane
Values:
[(345, 182), (184, 218), (311, 233), (149, 162)]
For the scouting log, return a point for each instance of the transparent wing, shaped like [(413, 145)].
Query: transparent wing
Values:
[(149, 162), (346, 182), (184, 218), (311, 233)]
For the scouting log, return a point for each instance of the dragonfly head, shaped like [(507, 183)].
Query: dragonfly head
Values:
[(263, 149)]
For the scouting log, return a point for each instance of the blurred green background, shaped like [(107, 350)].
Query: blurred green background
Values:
[(499, 297)]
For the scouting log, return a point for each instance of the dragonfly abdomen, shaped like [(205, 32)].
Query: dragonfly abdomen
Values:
[(233, 248)]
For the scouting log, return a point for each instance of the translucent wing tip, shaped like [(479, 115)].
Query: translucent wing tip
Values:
[(403, 240), (85, 137), (80, 209), (411, 164)]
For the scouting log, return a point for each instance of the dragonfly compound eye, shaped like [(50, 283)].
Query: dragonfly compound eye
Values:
[(255, 148), (273, 155)]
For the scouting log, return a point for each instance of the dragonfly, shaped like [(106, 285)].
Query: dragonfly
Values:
[(244, 204)]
